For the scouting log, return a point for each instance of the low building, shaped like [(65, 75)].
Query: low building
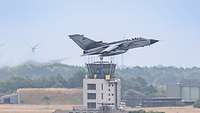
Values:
[(187, 90), (137, 99), (161, 102), (44, 96), (9, 99), (49, 96)]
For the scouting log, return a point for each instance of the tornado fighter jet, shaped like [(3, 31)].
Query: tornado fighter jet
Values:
[(91, 47)]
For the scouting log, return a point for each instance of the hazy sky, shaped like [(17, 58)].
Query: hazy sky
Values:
[(24, 23)]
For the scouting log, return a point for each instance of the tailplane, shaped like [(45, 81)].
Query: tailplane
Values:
[(83, 42)]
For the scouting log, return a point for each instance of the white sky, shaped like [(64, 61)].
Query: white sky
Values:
[(24, 23)]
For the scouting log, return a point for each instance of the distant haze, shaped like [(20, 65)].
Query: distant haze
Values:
[(25, 23)]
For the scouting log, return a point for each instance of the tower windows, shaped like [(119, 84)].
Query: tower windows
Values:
[(91, 95), (91, 86), (91, 105)]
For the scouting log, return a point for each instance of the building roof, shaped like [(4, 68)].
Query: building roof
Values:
[(49, 90), (9, 95), (189, 83)]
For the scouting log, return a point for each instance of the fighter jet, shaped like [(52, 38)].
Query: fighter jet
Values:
[(91, 47)]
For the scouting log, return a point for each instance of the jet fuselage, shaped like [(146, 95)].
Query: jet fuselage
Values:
[(100, 48)]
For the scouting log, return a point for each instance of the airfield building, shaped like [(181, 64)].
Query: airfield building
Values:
[(100, 87), (9, 99), (44, 96), (187, 90)]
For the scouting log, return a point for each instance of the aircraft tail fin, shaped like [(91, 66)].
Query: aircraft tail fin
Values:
[(81, 41)]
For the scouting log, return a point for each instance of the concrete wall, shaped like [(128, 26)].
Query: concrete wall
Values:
[(60, 96), (190, 93), (173, 91), (185, 93), (194, 93)]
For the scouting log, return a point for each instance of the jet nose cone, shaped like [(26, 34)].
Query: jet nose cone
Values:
[(152, 41)]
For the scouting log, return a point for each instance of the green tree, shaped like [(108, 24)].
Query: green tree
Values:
[(77, 79)]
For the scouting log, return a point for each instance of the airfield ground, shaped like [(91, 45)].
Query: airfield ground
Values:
[(188, 109), (32, 108), (52, 108)]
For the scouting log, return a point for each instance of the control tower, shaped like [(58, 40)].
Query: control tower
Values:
[(100, 87)]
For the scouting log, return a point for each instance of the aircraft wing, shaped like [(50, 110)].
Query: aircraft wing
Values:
[(124, 43), (112, 47)]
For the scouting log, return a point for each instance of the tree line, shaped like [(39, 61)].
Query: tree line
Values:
[(141, 80), (57, 81)]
